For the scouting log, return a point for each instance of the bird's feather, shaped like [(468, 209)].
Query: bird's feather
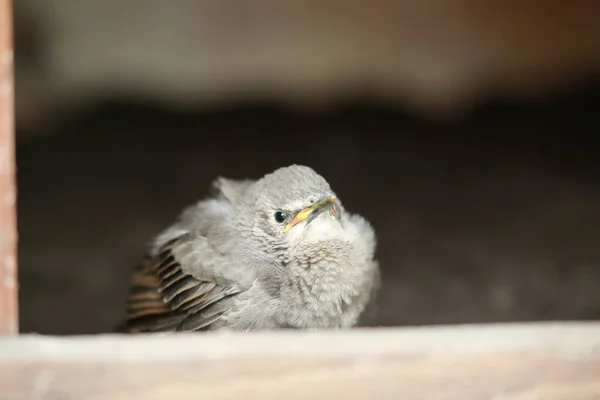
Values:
[(232, 190), (165, 298)]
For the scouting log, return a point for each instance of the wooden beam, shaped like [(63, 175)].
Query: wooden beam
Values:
[(8, 258), (501, 362)]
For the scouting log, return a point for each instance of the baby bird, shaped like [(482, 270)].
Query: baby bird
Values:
[(280, 252)]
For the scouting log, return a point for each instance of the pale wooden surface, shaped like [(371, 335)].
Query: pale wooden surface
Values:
[(8, 259), (516, 362)]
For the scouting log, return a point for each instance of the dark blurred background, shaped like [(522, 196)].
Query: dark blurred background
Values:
[(464, 130)]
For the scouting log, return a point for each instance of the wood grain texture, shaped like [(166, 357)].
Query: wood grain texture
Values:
[(8, 258), (501, 362)]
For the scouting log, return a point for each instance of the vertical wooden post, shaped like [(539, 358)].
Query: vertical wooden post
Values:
[(8, 236)]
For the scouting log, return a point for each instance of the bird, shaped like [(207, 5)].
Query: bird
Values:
[(279, 252)]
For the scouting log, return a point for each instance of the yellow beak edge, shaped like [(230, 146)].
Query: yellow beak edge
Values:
[(304, 214)]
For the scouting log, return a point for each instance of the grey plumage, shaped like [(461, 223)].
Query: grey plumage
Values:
[(279, 252)]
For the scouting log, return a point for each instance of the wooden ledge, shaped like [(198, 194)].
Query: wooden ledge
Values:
[(502, 362)]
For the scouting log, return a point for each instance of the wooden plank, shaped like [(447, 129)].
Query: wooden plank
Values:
[(501, 362), (8, 258)]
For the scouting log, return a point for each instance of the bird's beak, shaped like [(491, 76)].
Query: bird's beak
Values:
[(304, 214)]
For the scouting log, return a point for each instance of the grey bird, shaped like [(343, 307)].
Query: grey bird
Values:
[(280, 252)]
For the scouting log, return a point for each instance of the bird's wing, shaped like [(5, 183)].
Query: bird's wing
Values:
[(165, 298)]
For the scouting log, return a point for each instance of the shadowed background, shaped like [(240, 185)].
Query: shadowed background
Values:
[(464, 131)]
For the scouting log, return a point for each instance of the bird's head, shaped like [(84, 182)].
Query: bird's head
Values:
[(291, 206)]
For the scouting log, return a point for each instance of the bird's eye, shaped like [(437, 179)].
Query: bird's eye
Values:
[(280, 217)]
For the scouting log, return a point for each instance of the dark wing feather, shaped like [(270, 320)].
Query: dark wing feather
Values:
[(164, 298)]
